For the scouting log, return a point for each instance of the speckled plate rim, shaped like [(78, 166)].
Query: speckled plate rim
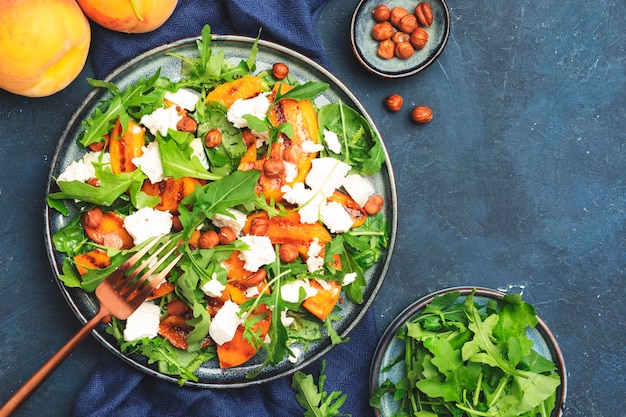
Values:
[(545, 344), (364, 46), (235, 48)]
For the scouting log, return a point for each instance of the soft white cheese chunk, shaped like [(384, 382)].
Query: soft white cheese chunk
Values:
[(224, 325), (349, 278), (332, 141), (160, 120), (297, 193), (291, 171), (314, 263), (146, 223), (143, 322), (150, 162), (260, 252), (256, 106), (294, 355), (213, 287), (286, 320), (309, 146), (83, 169), (310, 212), (335, 217), (314, 248), (235, 222), (198, 151), (326, 175), (359, 188), (184, 98), (290, 292)]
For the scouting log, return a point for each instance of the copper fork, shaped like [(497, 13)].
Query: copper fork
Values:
[(119, 295)]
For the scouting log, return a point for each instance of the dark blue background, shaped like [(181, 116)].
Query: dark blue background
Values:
[(517, 184)]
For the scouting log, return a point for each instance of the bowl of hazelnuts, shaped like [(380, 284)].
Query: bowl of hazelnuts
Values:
[(400, 37)]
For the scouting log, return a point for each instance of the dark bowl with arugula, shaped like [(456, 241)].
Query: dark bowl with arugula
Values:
[(236, 312), (466, 351)]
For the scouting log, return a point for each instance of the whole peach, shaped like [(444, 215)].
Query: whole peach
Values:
[(43, 45), (129, 16)]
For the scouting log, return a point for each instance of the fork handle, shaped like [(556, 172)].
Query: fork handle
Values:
[(49, 367)]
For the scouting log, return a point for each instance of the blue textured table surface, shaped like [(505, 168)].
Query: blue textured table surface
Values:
[(519, 183)]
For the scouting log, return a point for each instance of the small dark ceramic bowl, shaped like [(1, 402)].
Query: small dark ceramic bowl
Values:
[(390, 347), (365, 46)]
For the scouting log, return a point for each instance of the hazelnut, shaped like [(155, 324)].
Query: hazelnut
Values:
[(248, 137), (422, 114), (386, 49), (259, 226), (293, 154), (255, 278), (288, 253), (404, 50), (393, 102), (177, 225), (93, 218), (273, 167), (213, 138), (381, 13), (400, 37), (396, 14), (208, 240), (418, 38), (382, 31), (408, 23), (280, 70), (374, 204), (226, 235), (424, 13), (187, 124), (177, 307)]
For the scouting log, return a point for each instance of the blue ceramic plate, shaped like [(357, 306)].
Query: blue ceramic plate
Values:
[(235, 48), (390, 347), (365, 46)]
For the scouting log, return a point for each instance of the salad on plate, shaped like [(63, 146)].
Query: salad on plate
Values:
[(266, 192)]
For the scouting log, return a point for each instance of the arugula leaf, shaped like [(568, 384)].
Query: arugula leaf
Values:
[(315, 401), (178, 163)]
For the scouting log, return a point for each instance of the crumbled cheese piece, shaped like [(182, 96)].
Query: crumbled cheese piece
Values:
[(310, 212), (349, 278), (324, 284), (314, 263), (146, 223), (297, 193), (256, 106), (150, 162), (314, 248), (291, 171), (198, 151), (184, 98), (143, 322), (213, 287), (309, 146), (326, 175), (260, 252), (224, 325), (160, 120), (83, 169), (290, 292), (235, 221), (332, 141), (286, 320), (294, 354), (252, 292), (335, 217), (359, 188)]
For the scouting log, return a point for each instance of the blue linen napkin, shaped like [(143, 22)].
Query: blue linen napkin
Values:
[(118, 389)]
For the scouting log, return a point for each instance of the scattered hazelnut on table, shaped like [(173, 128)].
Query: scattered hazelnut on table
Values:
[(422, 114), (280, 70), (381, 13), (424, 13), (393, 102)]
